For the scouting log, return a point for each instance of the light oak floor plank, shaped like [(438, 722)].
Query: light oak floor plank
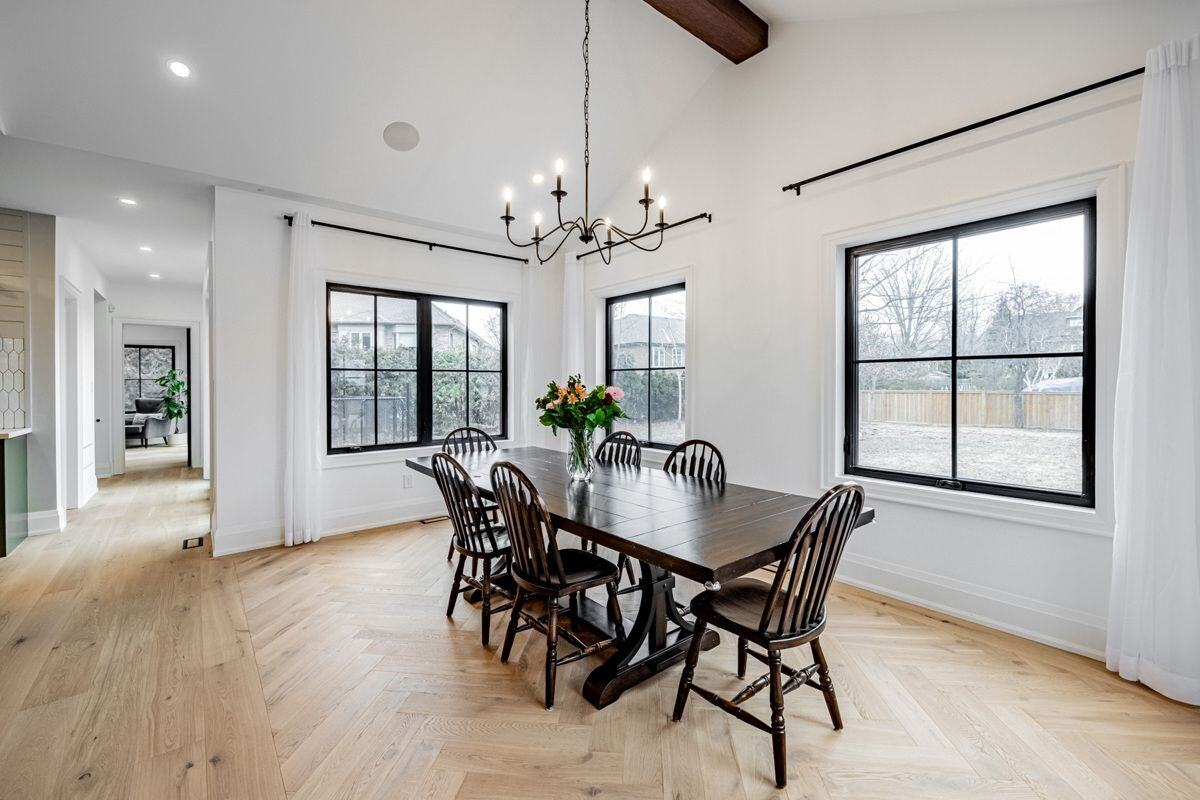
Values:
[(132, 668)]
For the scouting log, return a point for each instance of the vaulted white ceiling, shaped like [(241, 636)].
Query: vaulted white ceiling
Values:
[(293, 95), (807, 10)]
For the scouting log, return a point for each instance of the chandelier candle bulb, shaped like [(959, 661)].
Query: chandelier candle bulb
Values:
[(507, 202), (646, 184), (662, 207), (537, 225)]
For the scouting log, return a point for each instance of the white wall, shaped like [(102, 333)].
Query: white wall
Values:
[(78, 282), (249, 285), (167, 335), (178, 306), (764, 278)]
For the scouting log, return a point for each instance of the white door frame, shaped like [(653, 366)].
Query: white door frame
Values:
[(68, 375), (117, 401)]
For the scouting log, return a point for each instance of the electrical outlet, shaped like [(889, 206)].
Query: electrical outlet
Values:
[(406, 481)]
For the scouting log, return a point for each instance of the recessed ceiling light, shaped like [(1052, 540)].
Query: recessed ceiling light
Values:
[(537, 179), (155, 275), (146, 248), (402, 136), (128, 201), (179, 69)]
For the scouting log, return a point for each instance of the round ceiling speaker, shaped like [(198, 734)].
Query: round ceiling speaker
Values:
[(402, 136)]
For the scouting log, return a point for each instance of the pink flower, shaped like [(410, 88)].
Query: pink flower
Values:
[(615, 392)]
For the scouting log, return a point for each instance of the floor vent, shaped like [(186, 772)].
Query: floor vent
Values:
[(194, 541)]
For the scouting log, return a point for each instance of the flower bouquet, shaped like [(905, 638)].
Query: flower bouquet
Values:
[(574, 408)]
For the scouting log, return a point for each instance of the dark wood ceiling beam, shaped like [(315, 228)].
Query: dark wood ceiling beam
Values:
[(727, 26)]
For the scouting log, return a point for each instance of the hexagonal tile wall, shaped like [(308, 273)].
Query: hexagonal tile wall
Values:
[(12, 383)]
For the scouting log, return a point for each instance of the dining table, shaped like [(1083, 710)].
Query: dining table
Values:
[(673, 525)]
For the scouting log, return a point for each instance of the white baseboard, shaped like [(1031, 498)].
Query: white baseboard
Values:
[(43, 522), (377, 516), (243, 538), (104, 471), (1057, 626), (232, 539)]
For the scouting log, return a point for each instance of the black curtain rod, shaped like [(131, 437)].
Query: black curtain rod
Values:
[(705, 215), (430, 245), (964, 129)]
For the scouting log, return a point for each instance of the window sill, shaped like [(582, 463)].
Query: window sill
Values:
[(400, 454), (1009, 509)]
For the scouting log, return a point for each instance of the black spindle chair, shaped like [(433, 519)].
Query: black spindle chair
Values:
[(466, 441), (623, 448), (697, 458), (476, 537), (542, 569), (788, 612)]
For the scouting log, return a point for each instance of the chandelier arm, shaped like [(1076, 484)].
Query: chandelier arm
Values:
[(553, 252), (661, 233), (515, 243)]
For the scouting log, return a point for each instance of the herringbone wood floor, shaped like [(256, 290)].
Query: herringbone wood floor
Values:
[(131, 668)]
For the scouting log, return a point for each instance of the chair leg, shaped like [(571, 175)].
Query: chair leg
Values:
[(778, 737), (487, 601), (551, 650), (835, 715), (450, 552), (625, 563), (614, 610), (513, 622), (458, 572), (689, 669), (742, 652)]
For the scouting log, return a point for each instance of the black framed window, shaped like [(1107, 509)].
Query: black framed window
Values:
[(144, 365), (405, 369), (647, 357), (970, 356)]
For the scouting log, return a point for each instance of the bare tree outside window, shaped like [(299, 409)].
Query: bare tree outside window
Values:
[(968, 356)]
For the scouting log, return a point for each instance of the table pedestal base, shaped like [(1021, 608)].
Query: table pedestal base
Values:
[(650, 646)]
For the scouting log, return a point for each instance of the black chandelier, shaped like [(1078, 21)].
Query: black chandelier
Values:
[(587, 229)]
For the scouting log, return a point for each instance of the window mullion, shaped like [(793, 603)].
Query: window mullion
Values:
[(467, 362), (954, 358), (375, 363)]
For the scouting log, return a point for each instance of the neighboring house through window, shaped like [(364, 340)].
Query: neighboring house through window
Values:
[(647, 349), (439, 363)]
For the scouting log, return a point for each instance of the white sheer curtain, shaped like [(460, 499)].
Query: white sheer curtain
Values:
[(303, 392), (1154, 611), (572, 317), (527, 387)]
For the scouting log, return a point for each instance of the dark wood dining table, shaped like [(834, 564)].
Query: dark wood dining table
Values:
[(673, 525)]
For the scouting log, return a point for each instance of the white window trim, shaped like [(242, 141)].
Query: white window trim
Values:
[(1109, 186)]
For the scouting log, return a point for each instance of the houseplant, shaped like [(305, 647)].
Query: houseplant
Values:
[(574, 408), (174, 391)]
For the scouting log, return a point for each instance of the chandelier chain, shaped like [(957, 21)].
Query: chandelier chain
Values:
[(587, 81)]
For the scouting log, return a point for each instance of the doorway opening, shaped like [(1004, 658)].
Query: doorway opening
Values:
[(156, 394)]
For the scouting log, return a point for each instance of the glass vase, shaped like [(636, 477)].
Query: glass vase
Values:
[(580, 459)]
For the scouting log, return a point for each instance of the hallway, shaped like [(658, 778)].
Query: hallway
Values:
[(123, 654)]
